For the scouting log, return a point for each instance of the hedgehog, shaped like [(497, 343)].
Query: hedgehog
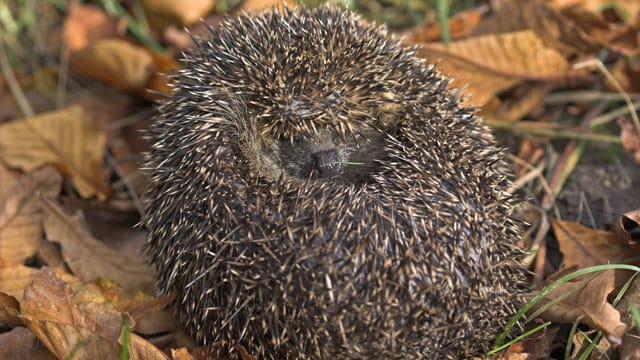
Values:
[(318, 192)]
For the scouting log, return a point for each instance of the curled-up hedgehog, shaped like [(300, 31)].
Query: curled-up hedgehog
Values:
[(317, 192)]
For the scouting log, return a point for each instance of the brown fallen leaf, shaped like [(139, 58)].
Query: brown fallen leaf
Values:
[(85, 24), (20, 212), (566, 26), (20, 344), (162, 13), (489, 64), (536, 346), (585, 300), (627, 227), (460, 25), (66, 139), (257, 6), (116, 62), (586, 247), (147, 311), (74, 321), (15, 278), (9, 310), (90, 259), (181, 354)]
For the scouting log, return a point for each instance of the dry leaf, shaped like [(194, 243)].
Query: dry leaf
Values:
[(568, 27), (627, 227), (65, 138), (257, 6), (78, 323), (533, 347), (14, 279), (20, 213), (489, 64), (147, 311), (586, 247), (162, 13), (85, 24), (586, 301), (20, 344), (181, 354), (116, 62), (9, 310), (460, 25), (90, 259)]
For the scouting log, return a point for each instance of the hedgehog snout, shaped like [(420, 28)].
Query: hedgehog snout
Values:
[(326, 163)]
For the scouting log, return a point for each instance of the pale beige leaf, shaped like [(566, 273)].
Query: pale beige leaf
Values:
[(65, 138), (21, 216), (89, 258), (14, 279), (492, 63)]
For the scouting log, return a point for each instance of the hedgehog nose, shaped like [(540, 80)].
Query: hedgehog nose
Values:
[(326, 163)]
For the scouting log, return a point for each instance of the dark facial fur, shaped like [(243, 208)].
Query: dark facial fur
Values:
[(317, 192)]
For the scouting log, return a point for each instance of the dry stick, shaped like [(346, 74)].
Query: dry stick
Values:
[(598, 64), (583, 96), (543, 181), (568, 150), (16, 91), (541, 245), (552, 130), (63, 75), (614, 114), (132, 192)]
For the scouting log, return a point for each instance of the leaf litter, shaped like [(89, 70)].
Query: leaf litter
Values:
[(72, 280)]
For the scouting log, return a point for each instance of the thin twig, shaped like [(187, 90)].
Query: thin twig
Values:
[(130, 189), (12, 82), (603, 69)]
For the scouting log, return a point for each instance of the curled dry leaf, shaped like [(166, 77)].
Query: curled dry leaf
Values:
[(586, 247), (627, 227), (490, 64), (90, 259), (20, 213), (585, 301), (66, 139)]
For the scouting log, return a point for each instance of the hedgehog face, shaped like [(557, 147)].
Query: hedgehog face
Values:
[(329, 156)]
